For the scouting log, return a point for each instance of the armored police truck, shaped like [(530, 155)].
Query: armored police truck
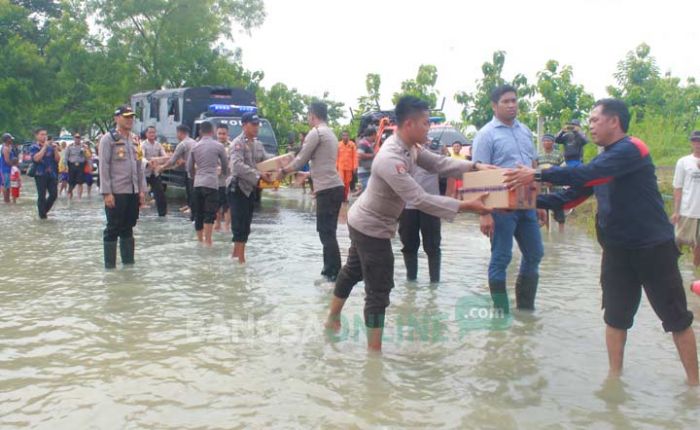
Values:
[(166, 109)]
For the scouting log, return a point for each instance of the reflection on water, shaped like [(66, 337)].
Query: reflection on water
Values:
[(186, 339)]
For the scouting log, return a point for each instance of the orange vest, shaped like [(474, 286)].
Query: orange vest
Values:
[(347, 156)]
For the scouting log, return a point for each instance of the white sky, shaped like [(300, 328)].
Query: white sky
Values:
[(331, 45)]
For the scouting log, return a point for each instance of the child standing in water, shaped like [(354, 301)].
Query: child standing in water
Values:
[(15, 183)]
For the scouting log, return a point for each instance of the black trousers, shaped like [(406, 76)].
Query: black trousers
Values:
[(76, 175), (44, 184), (372, 260), (189, 186), (241, 207), (156, 185), (122, 218), (328, 204), (412, 225), (205, 204), (626, 272)]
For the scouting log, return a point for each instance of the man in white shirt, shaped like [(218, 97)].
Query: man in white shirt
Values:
[(686, 199)]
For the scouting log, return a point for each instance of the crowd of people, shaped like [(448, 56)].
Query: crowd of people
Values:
[(400, 185)]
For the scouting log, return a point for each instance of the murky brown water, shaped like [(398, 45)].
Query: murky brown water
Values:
[(187, 340)]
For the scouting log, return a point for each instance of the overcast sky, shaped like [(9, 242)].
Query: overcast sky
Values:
[(331, 45)]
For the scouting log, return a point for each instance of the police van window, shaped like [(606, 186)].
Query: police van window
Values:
[(154, 109), (138, 109), (174, 108)]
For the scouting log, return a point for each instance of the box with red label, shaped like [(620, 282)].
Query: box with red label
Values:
[(500, 197)]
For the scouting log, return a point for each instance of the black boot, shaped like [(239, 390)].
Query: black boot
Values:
[(411, 261), (499, 296), (110, 254), (434, 267), (126, 249), (525, 292)]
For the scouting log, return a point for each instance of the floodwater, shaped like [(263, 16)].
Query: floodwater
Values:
[(188, 340)]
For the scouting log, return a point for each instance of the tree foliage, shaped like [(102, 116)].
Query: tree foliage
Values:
[(476, 106), (423, 86), (559, 99), (370, 101)]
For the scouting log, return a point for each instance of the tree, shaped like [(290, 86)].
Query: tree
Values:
[(22, 70), (175, 42), (477, 109), (560, 99), (284, 108), (370, 101), (423, 86), (636, 77)]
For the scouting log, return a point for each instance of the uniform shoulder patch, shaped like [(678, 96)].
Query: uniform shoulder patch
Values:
[(401, 168)]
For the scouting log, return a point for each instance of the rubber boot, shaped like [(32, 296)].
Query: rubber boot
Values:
[(411, 261), (525, 292), (126, 249), (434, 268), (110, 249), (499, 296)]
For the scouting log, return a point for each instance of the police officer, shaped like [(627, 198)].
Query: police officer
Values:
[(246, 152), (372, 219), (122, 184), (415, 223), (75, 157), (321, 148), (152, 149), (179, 160), (205, 159), (223, 214)]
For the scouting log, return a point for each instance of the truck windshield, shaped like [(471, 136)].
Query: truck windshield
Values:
[(266, 134)]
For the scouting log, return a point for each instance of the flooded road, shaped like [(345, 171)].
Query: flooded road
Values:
[(188, 340)]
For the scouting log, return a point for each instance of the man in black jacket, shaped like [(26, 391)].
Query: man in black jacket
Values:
[(573, 141)]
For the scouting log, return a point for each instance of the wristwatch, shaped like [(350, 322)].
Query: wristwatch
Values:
[(538, 175), (476, 165)]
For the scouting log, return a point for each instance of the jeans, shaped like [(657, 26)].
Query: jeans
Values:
[(523, 225), (363, 177), (45, 183)]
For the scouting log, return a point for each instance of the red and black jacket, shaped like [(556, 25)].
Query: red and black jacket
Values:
[(630, 208)]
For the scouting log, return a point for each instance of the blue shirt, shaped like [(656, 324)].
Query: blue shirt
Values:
[(5, 167), (630, 208), (48, 165), (504, 146)]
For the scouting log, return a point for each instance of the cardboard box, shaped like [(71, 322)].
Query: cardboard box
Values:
[(500, 197), (275, 163)]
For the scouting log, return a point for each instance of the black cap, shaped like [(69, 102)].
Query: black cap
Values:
[(695, 136), (125, 111), (250, 117), (548, 137), (7, 136), (575, 122)]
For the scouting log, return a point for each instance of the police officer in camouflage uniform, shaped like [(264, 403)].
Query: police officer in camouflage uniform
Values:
[(122, 184)]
